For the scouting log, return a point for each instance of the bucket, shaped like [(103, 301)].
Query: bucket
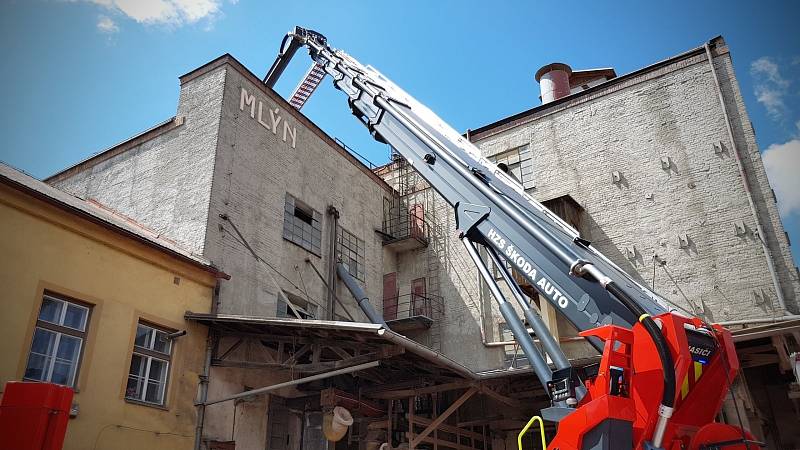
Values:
[(335, 423)]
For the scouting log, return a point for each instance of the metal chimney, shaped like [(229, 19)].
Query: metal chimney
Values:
[(553, 81)]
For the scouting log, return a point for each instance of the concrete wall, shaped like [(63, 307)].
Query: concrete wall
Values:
[(162, 180), (669, 112), (123, 281), (254, 170)]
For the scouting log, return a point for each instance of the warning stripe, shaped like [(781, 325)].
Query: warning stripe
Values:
[(691, 379)]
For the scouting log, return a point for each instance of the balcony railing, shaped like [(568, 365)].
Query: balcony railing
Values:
[(412, 311), (406, 230)]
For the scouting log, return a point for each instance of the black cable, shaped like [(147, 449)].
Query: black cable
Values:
[(667, 364)]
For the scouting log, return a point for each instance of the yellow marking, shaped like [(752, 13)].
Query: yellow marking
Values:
[(685, 387), (643, 316), (698, 370)]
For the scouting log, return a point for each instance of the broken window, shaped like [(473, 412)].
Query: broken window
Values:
[(302, 225), (512, 160), (350, 251), (295, 307)]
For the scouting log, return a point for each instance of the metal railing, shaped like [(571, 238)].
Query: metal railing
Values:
[(405, 225), (411, 305)]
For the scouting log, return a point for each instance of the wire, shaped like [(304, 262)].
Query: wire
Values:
[(241, 240), (157, 433)]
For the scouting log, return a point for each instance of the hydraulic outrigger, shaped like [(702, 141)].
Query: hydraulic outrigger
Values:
[(632, 398)]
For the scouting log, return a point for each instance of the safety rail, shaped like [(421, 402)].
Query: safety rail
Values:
[(403, 225), (413, 305)]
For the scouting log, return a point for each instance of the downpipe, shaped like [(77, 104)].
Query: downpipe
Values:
[(746, 185)]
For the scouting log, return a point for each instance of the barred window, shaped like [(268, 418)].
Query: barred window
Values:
[(147, 378), (302, 225), (58, 341), (350, 251)]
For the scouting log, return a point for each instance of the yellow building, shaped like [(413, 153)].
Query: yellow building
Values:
[(94, 301)]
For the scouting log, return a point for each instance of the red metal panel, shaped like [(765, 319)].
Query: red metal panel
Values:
[(390, 294), (416, 220), (34, 416), (419, 299)]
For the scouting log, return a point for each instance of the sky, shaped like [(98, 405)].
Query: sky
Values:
[(81, 75)]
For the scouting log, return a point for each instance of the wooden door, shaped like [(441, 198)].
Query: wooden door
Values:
[(419, 298), (390, 293), (416, 220)]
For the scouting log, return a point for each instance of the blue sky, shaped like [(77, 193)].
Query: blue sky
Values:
[(80, 76)]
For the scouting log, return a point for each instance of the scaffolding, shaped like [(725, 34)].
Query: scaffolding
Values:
[(410, 223)]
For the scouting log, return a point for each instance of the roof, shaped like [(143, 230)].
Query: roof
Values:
[(578, 77), (778, 327), (592, 92), (339, 332), (103, 216), (416, 355), (175, 122)]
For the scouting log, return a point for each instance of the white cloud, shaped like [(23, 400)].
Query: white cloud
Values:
[(106, 25), (168, 12), (782, 162), (770, 86)]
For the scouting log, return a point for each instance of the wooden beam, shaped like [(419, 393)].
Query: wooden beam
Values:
[(424, 421), (232, 348), (405, 393), (501, 398), (438, 421), (302, 351)]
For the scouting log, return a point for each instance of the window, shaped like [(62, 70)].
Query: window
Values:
[(350, 251), (294, 307), (147, 379), (513, 161), (302, 225), (57, 341)]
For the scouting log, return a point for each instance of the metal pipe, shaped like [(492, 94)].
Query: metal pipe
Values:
[(519, 331), (549, 343), (426, 352), (273, 387), (360, 296), (333, 214), (762, 320), (745, 183), (330, 290), (203, 393)]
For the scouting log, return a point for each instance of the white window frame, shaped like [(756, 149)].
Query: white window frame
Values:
[(60, 329), (149, 353)]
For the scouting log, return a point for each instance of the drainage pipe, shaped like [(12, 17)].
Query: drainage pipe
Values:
[(203, 392), (333, 214), (762, 320), (761, 236), (360, 296)]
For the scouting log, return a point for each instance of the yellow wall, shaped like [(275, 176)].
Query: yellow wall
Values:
[(42, 247)]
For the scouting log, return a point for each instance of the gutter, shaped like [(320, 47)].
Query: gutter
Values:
[(110, 226), (746, 185)]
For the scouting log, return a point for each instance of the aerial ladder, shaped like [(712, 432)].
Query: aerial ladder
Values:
[(662, 376)]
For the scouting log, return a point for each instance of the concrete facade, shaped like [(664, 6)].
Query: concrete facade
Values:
[(645, 155), (215, 158), (662, 132)]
